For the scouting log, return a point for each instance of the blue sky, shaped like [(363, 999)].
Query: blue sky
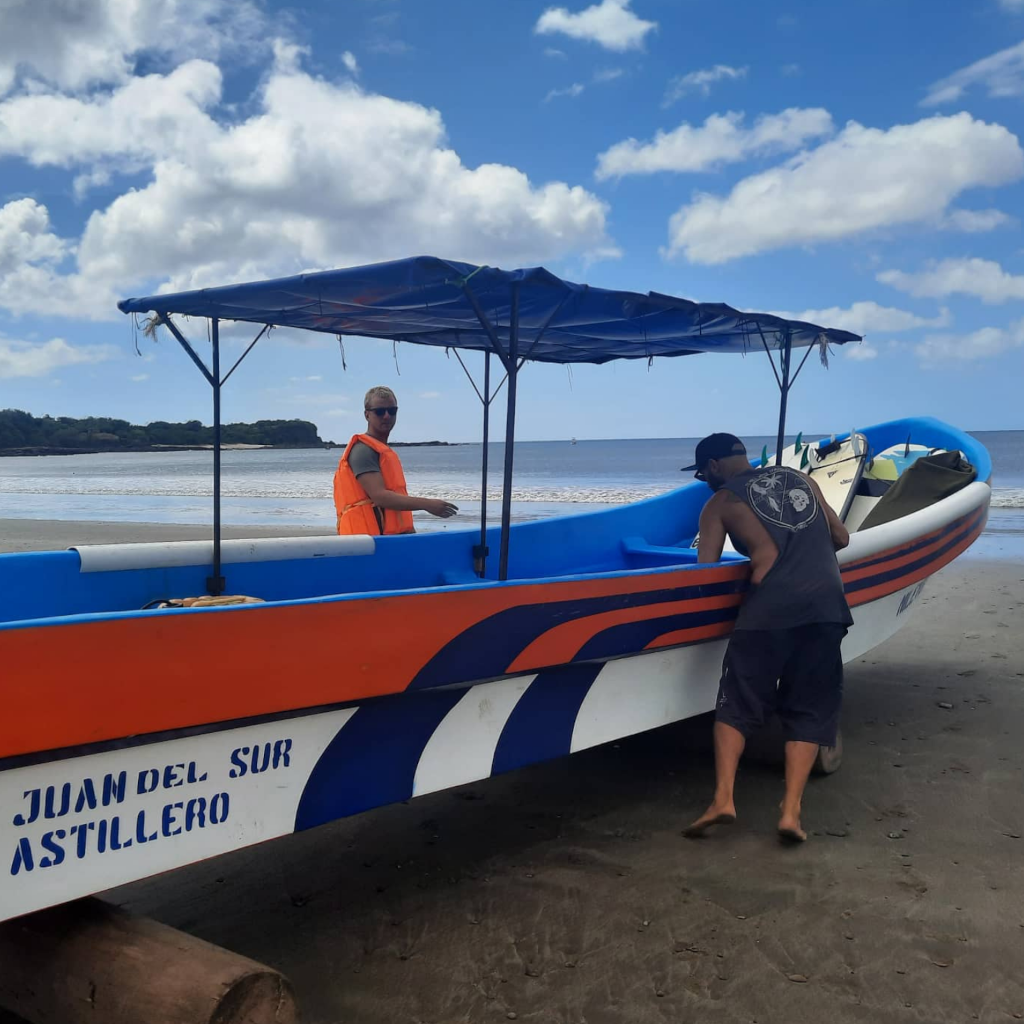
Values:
[(855, 164)]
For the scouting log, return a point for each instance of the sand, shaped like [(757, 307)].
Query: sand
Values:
[(564, 893), (58, 534)]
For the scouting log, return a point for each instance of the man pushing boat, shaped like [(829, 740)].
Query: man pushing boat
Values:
[(784, 653), (370, 495)]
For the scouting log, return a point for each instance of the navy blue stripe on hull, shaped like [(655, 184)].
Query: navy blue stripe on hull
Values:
[(633, 637), (486, 649), (541, 724), (372, 760), (910, 567), (971, 518)]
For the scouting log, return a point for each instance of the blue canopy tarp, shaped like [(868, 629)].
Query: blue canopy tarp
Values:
[(430, 301)]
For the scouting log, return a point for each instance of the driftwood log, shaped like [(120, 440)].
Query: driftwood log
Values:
[(90, 962)]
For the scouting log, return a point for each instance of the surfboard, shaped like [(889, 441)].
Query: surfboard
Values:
[(904, 455), (835, 466)]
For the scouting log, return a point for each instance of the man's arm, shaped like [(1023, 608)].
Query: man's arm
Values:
[(840, 534), (712, 532), (373, 484)]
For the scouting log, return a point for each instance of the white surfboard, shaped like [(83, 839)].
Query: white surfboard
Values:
[(835, 466)]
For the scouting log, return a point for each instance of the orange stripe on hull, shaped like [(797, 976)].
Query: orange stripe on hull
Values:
[(562, 643), (892, 586), (896, 562), (85, 682), (875, 562), (691, 636)]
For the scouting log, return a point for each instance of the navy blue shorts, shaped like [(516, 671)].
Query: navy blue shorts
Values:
[(795, 673)]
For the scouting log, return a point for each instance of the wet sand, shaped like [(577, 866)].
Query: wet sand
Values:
[(564, 893), (58, 534)]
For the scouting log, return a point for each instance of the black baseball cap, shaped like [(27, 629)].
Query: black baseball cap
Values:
[(716, 446)]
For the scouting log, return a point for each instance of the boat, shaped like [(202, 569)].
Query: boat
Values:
[(144, 732)]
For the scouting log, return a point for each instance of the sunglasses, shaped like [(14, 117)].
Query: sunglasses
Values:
[(391, 410)]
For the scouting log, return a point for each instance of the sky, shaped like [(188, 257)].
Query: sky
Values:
[(857, 165)]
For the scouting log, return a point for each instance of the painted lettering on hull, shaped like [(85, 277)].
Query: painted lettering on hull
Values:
[(78, 819), (909, 598)]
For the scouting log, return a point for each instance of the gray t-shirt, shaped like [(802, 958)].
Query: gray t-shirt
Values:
[(363, 459)]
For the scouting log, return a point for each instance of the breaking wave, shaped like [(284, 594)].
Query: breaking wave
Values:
[(318, 490), (1008, 497)]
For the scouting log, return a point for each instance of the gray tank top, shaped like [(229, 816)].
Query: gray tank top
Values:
[(804, 585)]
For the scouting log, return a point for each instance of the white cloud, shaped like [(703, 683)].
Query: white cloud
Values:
[(699, 81), (348, 58), (982, 279), (866, 317), (1001, 75), (572, 91), (30, 255), (75, 44), (610, 24), (271, 193), (550, 51), (981, 344), (1012, 5), (37, 359), (607, 75), (721, 139), (861, 352), (864, 179), (25, 236), (791, 70), (975, 221), (140, 377), (145, 120)]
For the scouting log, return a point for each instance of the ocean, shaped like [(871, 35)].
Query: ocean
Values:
[(293, 487)]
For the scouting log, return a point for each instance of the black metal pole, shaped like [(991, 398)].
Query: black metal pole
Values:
[(510, 431), (215, 584), (480, 554), (787, 355)]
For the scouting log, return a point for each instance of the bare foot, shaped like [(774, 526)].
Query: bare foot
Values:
[(716, 814), (789, 828)]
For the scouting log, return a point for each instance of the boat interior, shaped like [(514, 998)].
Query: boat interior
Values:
[(648, 535)]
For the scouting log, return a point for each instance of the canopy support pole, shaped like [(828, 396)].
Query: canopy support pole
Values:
[(238, 362), (786, 358), (180, 338), (492, 335), (510, 431), (810, 348), (480, 552), (215, 583)]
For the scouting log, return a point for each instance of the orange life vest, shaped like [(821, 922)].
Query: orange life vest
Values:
[(356, 512)]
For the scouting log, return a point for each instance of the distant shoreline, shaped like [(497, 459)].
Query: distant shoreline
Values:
[(28, 452)]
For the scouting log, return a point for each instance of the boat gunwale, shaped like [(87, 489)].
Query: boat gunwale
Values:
[(878, 541)]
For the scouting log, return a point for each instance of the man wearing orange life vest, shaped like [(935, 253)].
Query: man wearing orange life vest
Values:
[(369, 485)]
